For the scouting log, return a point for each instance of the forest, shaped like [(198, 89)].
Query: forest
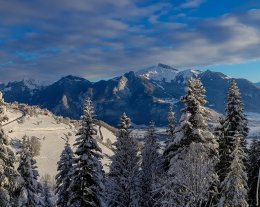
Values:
[(199, 166)]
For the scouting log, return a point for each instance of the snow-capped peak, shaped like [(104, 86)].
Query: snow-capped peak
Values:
[(158, 73), (189, 73), (208, 74), (164, 72), (33, 84)]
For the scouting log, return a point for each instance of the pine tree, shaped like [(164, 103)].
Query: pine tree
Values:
[(235, 121), (151, 163), (87, 176), (27, 168), (171, 124), (168, 154), (63, 179), (47, 196), (10, 181), (253, 171), (124, 176), (234, 186), (191, 175), (170, 147)]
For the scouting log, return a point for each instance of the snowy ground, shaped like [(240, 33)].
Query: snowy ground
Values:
[(51, 134)]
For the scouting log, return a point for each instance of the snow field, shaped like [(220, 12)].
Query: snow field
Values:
[(52, 137)]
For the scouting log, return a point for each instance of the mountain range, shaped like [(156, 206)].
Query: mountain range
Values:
[(144, 95)]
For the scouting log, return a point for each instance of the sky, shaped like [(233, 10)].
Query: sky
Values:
[(48, 39)]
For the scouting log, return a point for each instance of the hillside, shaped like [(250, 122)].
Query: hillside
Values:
[(51, 131)]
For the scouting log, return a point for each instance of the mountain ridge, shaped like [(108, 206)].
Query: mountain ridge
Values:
[(142, 97)]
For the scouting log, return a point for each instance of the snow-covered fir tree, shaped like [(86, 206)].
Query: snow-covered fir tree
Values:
[(171, 124), (123, 182), (169, 149), (253, 171), (87, 177), (10, 181), (168, 153), (47, 196), (63, 178), (151, 163), (191, 175), (234, 186), (235, 121), (27, 168)]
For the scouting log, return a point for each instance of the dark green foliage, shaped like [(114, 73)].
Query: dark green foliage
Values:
[(63, 178), (87, 176), (123, 184), (151, 164), (253, 171), (28, 171), (235, 121)]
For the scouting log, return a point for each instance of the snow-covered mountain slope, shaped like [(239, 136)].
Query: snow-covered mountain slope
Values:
[(163, 72), (140, 96), (187, 74), (29, 84), (158, 73), (51, 131)]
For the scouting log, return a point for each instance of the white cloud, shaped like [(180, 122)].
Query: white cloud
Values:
[(192, 3), (101, 39)]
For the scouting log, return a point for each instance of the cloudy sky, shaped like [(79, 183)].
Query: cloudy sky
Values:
[(98, 39)]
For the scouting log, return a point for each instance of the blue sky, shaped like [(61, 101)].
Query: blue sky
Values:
[(249, 70), (98, 39)]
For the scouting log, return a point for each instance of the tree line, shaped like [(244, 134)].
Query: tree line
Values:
[(199, 166)]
